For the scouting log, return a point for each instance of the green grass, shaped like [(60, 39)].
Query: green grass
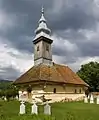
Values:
[(60, 111)]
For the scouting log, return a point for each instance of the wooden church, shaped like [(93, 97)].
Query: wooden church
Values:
[(47, 78)]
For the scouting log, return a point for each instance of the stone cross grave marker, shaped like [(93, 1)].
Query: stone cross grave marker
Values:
[(34, 109), (88, 96), (20, 95), (47, 109), (16, 97), (97, 99), (91, 99), (85, 99), (5, 98), (22, 108)]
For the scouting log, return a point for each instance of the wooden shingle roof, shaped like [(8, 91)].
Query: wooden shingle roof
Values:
[(55, 73)]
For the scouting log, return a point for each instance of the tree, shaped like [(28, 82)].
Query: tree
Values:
[(2, 93), (10, 92), (90, 74)]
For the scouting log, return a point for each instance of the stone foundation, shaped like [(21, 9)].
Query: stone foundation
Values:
[(60, 97), (51, 97)]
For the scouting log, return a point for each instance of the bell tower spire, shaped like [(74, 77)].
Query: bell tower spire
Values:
[(42, 29), (42, 9), (42, 42)]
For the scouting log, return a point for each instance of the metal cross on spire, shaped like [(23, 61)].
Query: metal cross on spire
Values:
[(42, 19), (42, 9)]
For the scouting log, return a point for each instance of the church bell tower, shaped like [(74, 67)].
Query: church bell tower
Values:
[(42, 43)]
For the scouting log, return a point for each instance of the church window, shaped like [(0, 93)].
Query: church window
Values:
[(47, 48), (37, 48), (80, 91), (54, 91), (75, 91)]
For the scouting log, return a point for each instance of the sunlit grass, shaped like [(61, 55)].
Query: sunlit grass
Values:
[(60, 111)]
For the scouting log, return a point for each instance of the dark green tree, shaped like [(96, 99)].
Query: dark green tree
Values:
[(2, 93), (90, 74), (10, 92)]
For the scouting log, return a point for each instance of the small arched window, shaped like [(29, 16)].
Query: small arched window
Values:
[(54, 90), (37, 48), (79, 90), (75, 91)]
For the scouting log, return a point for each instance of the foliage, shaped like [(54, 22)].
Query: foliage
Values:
[(60, 111), (90, 74), (10, 91), (4, 84)]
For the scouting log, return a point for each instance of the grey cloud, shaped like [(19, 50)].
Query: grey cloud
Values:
[(9, 73), (74, 16), (64, 50), (72, 35), (85, 47), (23, 43), (89, 48), (74, 20), (28, 13)]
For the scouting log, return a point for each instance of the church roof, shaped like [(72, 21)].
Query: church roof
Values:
[(55, 73)]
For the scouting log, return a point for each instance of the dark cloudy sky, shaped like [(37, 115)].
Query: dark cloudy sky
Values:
[(74, 25)]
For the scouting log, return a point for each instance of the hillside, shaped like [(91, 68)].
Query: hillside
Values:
[(4, 84)]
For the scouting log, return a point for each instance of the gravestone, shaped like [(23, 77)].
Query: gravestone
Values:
[(91, 99), (85, 99), (22, 108), (20, 95), (5, 98), (97, 99), (47, 109), (16, 97), (88, 96), (34, 109)]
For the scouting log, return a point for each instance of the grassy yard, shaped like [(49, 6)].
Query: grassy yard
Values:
[(60, 111)]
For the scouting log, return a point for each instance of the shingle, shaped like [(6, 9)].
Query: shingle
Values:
[(56, 73)]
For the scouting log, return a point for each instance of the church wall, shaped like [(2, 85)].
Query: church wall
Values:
[(41, 60), (42, 53), (60, 97), (64, 89), (38, 61), (42, 49), (62, 92), (50, 88), (46, 48), (47, 62), (59, 88), (38, 53)]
